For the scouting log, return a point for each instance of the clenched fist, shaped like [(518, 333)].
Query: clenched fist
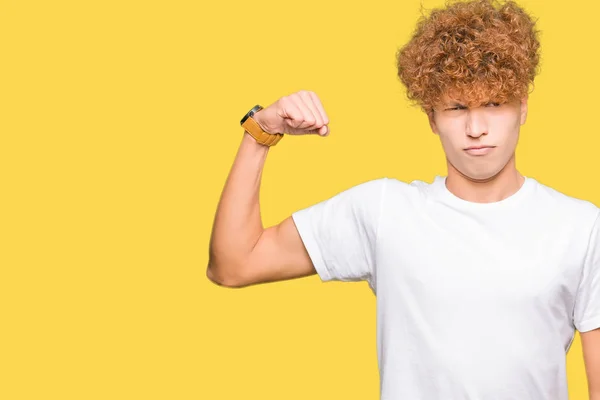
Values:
[(299, 113)]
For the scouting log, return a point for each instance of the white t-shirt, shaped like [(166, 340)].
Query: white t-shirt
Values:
[(475, 301)]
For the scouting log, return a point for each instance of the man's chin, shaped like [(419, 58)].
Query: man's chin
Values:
[(480, 178), (477, 176)]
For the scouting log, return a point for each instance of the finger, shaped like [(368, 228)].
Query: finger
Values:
[(292, 114), (308, 119), (324, 130), (319, 106), (308, 103), (296, 114)]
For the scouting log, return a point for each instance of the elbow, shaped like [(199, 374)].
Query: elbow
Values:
[(225, 277)]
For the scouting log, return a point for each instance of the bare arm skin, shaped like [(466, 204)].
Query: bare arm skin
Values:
[(242, 252), (590, 342)]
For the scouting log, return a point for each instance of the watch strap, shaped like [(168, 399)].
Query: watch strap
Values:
[(262, 137)]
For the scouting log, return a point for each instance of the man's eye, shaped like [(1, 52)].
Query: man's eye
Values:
[(455, 108), (491, 104)]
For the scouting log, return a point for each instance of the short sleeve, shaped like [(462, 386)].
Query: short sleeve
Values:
[(340, 233), (587, 301)]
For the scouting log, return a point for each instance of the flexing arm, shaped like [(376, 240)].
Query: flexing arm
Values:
[(241, 251)]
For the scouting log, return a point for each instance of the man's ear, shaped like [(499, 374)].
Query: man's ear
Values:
[(432, 124), (524, 109)]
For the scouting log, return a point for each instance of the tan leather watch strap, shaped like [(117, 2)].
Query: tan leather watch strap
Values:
[(262, 137)]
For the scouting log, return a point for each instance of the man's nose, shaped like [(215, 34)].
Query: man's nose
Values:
[(476, 123)]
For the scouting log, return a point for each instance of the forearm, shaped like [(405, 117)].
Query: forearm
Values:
[(237, 225)]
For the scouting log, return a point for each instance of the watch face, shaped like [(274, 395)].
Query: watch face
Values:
[(250, 113)]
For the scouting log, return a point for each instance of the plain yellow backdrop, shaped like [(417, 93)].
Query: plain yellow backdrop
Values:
[(119, 123)]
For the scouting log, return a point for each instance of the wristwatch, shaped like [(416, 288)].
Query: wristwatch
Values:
[(254, 129)]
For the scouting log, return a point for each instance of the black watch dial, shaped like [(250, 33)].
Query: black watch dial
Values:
[(250, 113)]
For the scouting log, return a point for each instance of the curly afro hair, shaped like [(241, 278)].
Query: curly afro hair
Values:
[(476, 51)]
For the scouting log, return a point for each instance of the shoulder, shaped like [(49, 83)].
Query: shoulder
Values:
[(415, 190), (569, 207), (363, 198), (365, 191), (556, 198)]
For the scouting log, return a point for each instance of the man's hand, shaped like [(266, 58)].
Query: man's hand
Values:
[(297, 114)]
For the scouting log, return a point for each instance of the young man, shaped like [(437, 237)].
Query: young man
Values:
[(481, 276)]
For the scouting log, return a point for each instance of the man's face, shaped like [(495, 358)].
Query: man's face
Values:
[(478, 141)]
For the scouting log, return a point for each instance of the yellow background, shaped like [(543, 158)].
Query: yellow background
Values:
[(119, 123)]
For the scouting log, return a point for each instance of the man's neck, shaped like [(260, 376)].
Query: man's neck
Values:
[(504, 184)]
